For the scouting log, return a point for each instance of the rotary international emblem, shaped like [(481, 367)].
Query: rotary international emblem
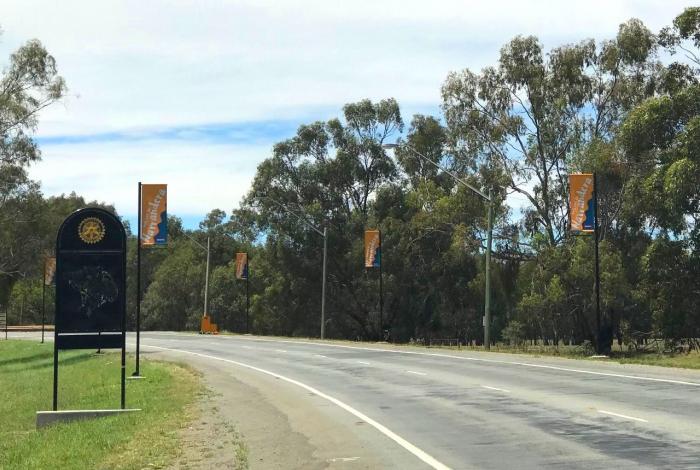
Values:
[(91, 230)]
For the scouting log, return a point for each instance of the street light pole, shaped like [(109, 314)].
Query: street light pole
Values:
[(489, 234), (206, 281), (324, 234), (323, 288), (206, 275), (487, 275)]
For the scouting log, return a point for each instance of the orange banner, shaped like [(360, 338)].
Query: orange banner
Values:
[(154, 214), (50, 271), (241, 265), (581, 203), (373, 249)]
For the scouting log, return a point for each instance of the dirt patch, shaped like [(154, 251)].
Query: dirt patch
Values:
[(210, 441)]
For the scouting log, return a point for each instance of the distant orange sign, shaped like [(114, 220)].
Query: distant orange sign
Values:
[(373, 249), (50, 271), (581, 203), (241, 265)]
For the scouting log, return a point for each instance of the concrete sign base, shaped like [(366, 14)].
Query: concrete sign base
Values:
[(45, 418)]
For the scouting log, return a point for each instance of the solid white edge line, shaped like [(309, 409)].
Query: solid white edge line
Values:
[(414, 372), (623, 416), (463, 358), (496, 388), (421, 454)]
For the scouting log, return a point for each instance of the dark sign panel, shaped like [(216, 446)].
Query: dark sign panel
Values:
[(90, 281)]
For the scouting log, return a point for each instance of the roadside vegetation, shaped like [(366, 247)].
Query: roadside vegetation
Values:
[(626, 107), (145, 439)]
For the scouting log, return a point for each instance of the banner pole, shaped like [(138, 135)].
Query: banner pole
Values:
[(247, 296), (323, 285), (599, 345), (381, 290), (138, 288)]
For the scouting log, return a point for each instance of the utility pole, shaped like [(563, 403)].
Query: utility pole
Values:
[(323, 285), (489, 235), (599, 342), (324, 234), (487, 275), (206, 282)]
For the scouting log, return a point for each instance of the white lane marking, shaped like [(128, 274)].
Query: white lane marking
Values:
[(414, 372), (344, 459), (281, 350), (476, 359), (246, 347), (321, 355), (421, 454), (623, 416), (496, 388), (363, 362)]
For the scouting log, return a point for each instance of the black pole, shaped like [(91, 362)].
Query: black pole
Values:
[(123, 371), (597, 264), (138, 288), (43, 305), (55, 368), (381, 291), (247, 297)]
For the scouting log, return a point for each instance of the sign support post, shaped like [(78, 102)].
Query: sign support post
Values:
[(138, 289)]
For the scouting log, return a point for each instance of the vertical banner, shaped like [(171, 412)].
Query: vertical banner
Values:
[(154, 214), (50, 271), (241, 265), (581, 203), (373, 249)]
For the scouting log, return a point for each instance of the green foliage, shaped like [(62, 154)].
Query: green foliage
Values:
[(517, 127)]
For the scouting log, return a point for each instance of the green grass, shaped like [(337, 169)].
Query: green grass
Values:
[(146, 439), (686, 361), (681, 360)]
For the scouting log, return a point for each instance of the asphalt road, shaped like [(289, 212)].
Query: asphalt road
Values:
[(427, 408), (477, 410)]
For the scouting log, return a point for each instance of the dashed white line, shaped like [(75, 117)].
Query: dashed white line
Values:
[(246, 347), (321, 355), (363, 362), (344, 459), (281, 350), (496, 388), (416, 373), (417, 452), (622, 416)]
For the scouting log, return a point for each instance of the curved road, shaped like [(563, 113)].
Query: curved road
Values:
[(425, 408)]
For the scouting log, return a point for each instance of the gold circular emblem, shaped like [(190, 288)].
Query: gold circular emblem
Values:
[(91, 230)]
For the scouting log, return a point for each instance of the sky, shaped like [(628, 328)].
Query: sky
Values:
[(195, 93)]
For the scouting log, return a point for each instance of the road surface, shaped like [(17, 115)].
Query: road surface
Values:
[(428, 408), (395, 407)]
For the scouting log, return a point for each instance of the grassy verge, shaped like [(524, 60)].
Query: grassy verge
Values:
[(682, 360), (88, 381)]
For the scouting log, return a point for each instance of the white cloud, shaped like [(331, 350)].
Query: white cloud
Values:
[(135, 65)]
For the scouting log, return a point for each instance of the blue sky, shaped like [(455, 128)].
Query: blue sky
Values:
[(194, 94)]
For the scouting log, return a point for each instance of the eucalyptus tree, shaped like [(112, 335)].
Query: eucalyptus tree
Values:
[(29, 83)]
